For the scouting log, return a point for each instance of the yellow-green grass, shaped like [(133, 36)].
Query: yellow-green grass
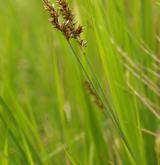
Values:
[(46, 114)]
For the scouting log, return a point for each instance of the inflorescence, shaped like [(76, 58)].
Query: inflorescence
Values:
[(93, 93), (67, 26)]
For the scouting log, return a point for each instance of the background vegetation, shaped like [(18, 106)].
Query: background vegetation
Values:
[(46, 114)]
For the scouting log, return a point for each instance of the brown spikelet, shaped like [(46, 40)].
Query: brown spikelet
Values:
[(93, 93), (67, 26), (53, 14), (65, 10)]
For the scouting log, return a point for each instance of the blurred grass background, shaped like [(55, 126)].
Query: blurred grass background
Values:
[(46, 114)]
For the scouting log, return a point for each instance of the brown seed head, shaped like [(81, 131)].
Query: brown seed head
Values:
[(67, 26), (93, 93)]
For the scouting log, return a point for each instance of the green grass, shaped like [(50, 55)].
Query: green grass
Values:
[(46, 114)]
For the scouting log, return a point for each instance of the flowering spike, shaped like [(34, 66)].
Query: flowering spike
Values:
[(68, 25), (93, 93)]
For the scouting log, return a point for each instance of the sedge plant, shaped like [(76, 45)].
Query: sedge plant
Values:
[(82, 95)]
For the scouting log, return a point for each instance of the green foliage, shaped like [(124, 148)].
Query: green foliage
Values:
[(47, 116)]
